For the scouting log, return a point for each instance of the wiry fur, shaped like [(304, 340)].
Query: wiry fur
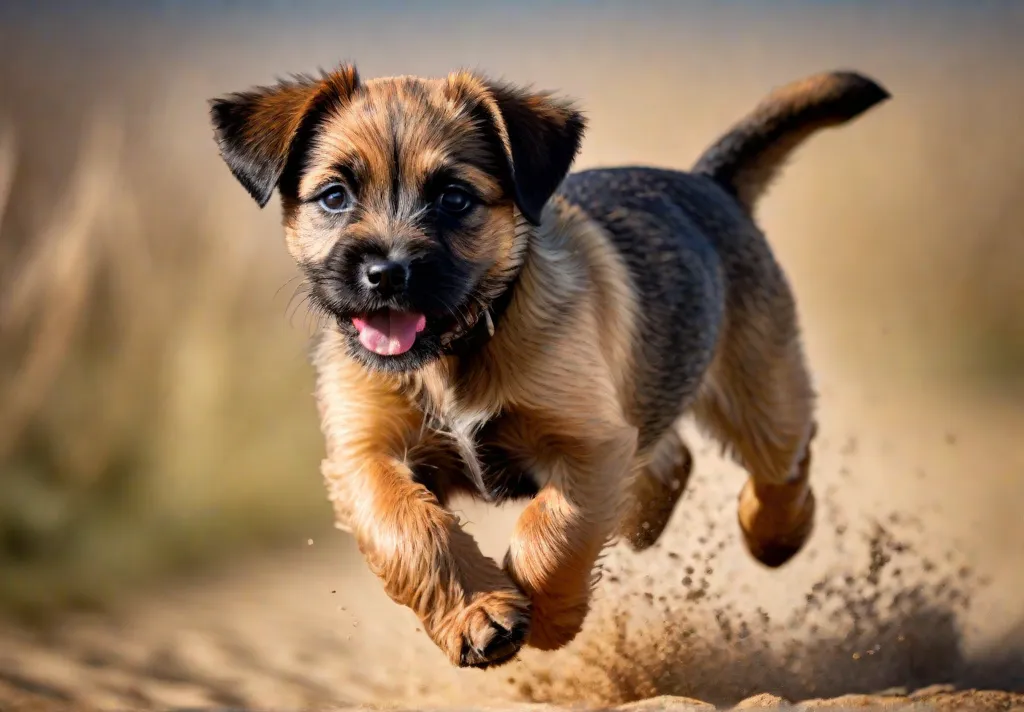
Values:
[(631, 297)]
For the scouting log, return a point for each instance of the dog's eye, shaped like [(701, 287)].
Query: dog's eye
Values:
[(455, 201), (335, 199)]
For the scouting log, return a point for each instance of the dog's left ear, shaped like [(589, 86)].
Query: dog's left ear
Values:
[(539, 133), (259, 131)]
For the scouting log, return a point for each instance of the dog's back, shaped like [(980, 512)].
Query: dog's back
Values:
[(690, 242), (663, 224)]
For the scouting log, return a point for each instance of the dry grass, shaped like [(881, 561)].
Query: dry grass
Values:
[(154, 409)]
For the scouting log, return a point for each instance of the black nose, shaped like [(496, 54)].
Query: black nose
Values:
[(385, 277)]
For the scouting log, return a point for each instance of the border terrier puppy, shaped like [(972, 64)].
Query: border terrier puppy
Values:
[(500, 328)]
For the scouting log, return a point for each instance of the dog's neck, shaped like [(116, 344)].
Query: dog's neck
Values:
[(485, 324), (492, 310), (525, 311)]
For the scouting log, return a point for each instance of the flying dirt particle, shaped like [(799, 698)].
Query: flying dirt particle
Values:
[(309, 542)]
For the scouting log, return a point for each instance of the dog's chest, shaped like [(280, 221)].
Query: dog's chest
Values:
[(505, 465), (496, 464)]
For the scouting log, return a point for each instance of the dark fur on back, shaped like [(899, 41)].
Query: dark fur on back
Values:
[(690, 243), (653, 219)]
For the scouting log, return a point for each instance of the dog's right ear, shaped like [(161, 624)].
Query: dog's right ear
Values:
[(258, 130)]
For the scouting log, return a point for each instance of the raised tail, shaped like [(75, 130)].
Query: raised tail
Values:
[(746, 159)]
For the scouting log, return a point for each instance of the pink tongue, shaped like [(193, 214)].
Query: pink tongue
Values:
[(389, 332)]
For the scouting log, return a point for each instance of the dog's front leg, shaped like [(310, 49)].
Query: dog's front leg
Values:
[(467, 604), (559, 537)]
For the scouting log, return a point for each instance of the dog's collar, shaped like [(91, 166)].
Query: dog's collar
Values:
[(486, 323)]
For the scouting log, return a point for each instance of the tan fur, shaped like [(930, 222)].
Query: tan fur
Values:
[(757, 399), (557, 376)]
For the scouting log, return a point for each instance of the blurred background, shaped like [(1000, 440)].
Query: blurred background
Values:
[(156, 420)]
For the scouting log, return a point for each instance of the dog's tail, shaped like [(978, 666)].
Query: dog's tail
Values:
[(746, 159)]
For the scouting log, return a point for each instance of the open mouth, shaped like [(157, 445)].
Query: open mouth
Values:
[(389, 332)]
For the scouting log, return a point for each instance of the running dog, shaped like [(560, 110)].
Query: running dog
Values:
[(499, 327)]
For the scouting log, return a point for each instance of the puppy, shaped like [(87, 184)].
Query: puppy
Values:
[(499, 328)]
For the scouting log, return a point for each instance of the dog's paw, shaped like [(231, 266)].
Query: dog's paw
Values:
[(776, 521), (655, 492), (652, 504), (556, 622), (648, 515), (491, 629)]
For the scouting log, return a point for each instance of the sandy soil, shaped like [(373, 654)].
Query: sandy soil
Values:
[(911, 581), (294, 634)]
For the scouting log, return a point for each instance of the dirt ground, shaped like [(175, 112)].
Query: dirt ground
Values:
[(274, 635), (889, 598)]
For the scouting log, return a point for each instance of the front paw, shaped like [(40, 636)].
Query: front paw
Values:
[(488, 631), (557, 622), (559, 596)]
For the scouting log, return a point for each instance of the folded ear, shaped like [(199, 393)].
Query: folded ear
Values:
[(540, 135), (259, 130)]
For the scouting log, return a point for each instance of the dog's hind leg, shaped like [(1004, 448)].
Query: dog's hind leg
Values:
[(758, 401), (656, 490), (758, 398)]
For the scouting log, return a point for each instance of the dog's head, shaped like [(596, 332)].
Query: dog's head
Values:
[(406, 200)]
